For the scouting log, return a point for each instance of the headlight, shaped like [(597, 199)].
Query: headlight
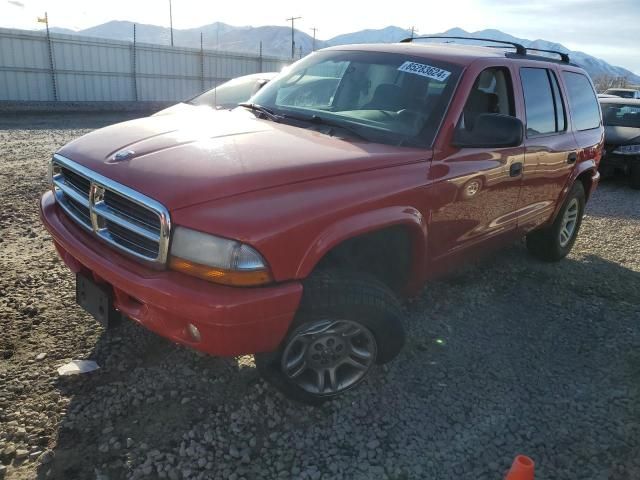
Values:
[(217, 259), (627, 150)]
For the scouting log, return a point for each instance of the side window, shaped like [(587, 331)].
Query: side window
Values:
[(582, 100), (540, 101), (492, 92), (561, 115)]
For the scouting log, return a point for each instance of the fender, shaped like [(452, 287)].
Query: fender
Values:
[(584, 166), (366, 222)]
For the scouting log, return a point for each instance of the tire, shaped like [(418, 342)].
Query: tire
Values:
[(335, 305), (551, 244), (634, 174)]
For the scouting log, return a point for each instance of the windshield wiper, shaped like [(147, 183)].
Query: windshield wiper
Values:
[(329, 123), (254, 107)]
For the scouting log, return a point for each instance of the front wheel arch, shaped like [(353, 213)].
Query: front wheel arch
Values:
[(371, 222)]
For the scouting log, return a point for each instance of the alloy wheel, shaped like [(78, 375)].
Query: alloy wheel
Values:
[(329, 356), (569, 222)]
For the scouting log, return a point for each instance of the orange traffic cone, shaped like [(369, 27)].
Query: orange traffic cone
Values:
[(521, 469)]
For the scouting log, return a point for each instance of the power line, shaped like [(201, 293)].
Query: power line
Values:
[(293, 42)]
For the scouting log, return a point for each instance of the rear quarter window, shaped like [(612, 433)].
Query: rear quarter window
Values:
[(583, 102)]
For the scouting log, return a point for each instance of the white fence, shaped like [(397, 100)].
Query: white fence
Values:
[(70, 68)]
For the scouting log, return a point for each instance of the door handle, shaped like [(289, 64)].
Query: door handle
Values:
[(515, 169), (572, 157)]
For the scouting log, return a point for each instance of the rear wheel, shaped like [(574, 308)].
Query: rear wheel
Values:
[(347, 322), (555, 242), (634, 172)]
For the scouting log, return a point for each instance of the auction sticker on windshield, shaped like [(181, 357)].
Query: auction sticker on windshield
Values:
[(428, 71)]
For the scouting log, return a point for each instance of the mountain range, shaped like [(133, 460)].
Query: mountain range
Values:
[(276, 41)]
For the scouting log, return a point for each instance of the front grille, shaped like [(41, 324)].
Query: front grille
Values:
[(132, 211), (76, 181), (133, 241), (81, 211), (118, 215)]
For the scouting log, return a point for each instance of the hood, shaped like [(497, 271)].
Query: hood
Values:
[(178, 108), (185, 159), (614, 136)]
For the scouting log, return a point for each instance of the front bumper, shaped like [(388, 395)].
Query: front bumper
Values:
[(231, 321)]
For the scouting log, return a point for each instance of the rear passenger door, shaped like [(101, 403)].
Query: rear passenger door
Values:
[(550, 147)]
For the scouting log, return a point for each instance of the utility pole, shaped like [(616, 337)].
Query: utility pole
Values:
[(314, 38), (171, 22), (293, 42), (413, 32), (52, 69)]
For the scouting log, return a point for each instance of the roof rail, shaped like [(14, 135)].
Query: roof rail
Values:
[(520, 49), (563, 56)]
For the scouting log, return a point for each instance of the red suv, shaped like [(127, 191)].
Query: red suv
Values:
[(291, 226)]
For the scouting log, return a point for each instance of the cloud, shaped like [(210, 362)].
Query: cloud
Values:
[(16, 3)]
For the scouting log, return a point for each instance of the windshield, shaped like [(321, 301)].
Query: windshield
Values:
[(618, 115), (383, 97), (231, 93)]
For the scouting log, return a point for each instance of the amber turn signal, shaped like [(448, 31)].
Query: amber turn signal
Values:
[(236, 278)]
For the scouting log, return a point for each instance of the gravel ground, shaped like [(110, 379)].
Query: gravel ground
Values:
[(508, 356)]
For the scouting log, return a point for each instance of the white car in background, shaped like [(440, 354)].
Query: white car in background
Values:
[(225, 96), (623, 92)]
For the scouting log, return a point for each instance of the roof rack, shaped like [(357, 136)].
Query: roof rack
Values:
[(520, 49), (563, 56)]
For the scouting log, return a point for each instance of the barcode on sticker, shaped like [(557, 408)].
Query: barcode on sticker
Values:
[(428, 71)]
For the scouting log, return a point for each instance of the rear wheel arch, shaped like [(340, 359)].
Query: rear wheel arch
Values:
[(586, 178)]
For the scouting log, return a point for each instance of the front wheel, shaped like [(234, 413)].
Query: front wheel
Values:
[(347, 323)]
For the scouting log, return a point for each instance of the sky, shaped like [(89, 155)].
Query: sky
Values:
[(608, 29)]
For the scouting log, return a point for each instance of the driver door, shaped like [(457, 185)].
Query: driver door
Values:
[(475, 190)]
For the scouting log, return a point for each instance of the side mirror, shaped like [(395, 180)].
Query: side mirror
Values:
[(491, 130)]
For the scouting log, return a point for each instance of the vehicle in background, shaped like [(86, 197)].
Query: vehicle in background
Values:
[(292, 226), (621, 118), (623, 92), (225, 96), (606, 95)]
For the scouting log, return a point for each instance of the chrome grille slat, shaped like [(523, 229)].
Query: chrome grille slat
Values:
[(108, 213), (77, 181), (135, 212), (71, 192), (72, 211), (121, 217), (143, 245)]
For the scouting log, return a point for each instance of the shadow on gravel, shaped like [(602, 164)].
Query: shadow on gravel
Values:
[(146, 394), (62, 121), (507, 356)]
